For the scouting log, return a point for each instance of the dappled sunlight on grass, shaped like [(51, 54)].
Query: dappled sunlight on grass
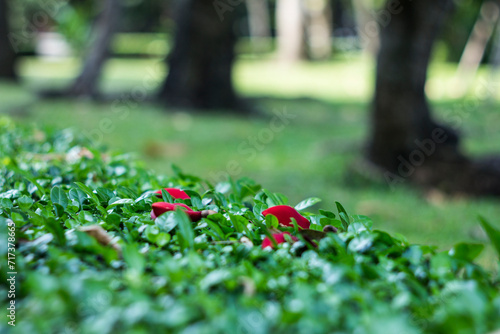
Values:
[(350, 80)]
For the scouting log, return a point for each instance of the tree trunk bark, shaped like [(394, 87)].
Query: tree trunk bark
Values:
[(495, 62), (367, 29), (200, 64), (259, 23), (290, 30), (406, 143), (476, 45), (86, 84), (401, 117), (319, 28), (7, 54)]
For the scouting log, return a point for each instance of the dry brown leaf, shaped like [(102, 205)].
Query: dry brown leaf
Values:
[(101, 235)]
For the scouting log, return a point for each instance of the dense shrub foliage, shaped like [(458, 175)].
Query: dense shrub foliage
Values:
[(210, 276)]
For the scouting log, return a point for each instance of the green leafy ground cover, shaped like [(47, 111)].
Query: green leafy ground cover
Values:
[(312, 156), (172, 275)]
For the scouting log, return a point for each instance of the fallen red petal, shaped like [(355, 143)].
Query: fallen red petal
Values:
[(174, 192), (285, 213), (279, 237), (162, 207), (194, 215)]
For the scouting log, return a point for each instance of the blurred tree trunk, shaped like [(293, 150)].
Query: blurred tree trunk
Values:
[(495, 62), (367, 28), (319, 28), (405, 141), (200, 63), (401, 114), (476, 46), (290, 30), (7, 54), (304, 29), (259, 23), (86, 84)]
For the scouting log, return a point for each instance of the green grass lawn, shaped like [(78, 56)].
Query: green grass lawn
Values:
[(313, 155)]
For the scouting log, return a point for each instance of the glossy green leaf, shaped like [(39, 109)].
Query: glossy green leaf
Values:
[(307, 203), (58, 196), (493, 234)]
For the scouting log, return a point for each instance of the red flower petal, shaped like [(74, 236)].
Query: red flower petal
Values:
[(285, 213), (162, 207), (194, 215), (280, 238), (174, 192)]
